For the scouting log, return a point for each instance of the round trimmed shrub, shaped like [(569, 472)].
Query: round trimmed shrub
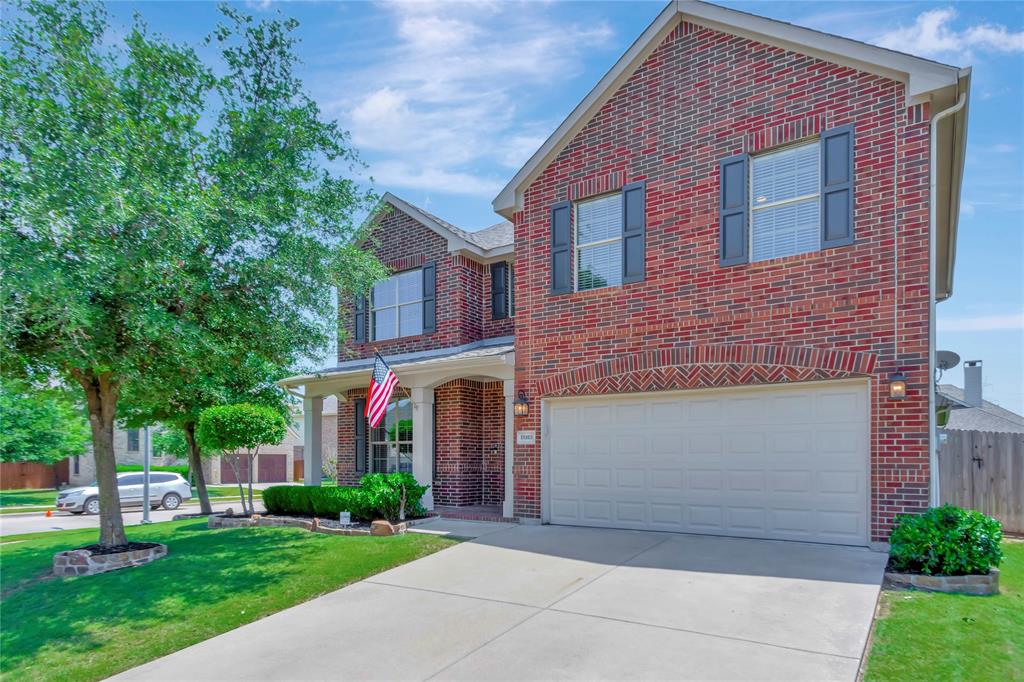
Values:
[(946, 540)]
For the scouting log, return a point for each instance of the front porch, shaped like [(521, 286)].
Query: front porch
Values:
[(449, 423)]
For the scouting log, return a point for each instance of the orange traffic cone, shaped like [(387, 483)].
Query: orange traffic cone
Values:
[(49, 513)]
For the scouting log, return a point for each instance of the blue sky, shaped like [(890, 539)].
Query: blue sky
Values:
[(445, 101)]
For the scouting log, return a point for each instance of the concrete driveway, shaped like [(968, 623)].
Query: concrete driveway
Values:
[(545, 602)]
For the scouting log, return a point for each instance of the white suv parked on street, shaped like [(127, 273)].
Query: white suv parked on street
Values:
[(166, 490)]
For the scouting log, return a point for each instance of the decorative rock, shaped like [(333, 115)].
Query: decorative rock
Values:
[(76, 562), (959, 584), (381, 527)]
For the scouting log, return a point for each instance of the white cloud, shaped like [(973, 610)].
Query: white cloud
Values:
[(982, 323), (932, 35), (422, 175), (440, 107)]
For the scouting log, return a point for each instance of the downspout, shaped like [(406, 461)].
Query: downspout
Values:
[(933, 454)]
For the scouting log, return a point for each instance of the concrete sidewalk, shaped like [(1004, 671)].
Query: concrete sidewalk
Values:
[(543, 602)]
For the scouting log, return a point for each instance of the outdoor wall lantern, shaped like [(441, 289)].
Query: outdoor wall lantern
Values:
[(897, 386), (521, 406)]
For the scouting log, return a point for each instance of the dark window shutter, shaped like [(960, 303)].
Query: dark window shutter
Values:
[(561, 248), (429, 298), (512, 290), (359, 405), (733, 210), (633, 228), (837, 187), (499, 291), (359, 319)]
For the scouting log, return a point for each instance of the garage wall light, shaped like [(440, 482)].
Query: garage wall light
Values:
[(521, 406), (897, 386)]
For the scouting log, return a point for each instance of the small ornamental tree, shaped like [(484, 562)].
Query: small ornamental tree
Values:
[(237, 431)]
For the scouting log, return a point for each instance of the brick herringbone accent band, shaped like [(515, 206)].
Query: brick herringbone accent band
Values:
[(708, 366)]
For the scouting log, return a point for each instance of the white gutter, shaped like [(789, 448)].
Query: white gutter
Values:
[(933, 455)]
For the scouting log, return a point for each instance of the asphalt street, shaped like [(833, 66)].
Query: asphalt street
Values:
[(36, 522)]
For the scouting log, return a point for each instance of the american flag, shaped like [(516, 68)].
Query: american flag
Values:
[(382, 383)]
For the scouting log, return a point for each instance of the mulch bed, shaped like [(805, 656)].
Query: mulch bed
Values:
[(98, 550)]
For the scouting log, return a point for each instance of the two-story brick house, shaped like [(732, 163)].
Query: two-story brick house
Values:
[(726, 261)]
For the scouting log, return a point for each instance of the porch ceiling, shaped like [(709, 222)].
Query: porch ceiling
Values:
[(491, 358)]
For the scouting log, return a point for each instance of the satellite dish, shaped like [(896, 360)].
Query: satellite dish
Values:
[(946, 359)]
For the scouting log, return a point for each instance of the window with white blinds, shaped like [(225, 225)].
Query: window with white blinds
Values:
[(599, 242), (398, 306), (785, 202)]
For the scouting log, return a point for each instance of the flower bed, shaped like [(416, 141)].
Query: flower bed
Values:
[(96, 559)]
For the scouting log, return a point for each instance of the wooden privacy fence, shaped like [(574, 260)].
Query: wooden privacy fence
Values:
[(17, 475), (984, 471)]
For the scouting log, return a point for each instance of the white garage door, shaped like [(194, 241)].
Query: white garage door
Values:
[(784, 462)]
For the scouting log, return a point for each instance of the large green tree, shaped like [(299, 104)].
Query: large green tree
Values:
[(164, 219), (39, 424)]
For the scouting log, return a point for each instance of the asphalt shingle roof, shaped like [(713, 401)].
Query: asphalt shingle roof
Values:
[(989, 417), (497, 235)]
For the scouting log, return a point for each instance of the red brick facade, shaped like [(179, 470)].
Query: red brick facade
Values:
[(463, 291), (858, 310), (469, 460)]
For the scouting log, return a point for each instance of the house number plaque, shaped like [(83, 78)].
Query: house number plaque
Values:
[(526, 437)]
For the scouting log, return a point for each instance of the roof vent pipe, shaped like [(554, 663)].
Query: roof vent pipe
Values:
[(972, 383)]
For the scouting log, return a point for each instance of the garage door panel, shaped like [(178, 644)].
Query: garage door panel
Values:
[(627, 479), (562, 477), (788, 409), (597, 478), (841, 406), (802, 478)]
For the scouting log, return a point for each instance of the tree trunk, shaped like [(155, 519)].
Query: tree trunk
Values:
[(195, 463), (233, 460), (101, 400), (252, 466)]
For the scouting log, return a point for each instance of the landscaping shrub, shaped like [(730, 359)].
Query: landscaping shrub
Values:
[(946, 540), (382, 494), (172, 468), (377, 497), (327, 502)]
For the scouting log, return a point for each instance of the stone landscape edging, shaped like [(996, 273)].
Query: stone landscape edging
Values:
[(78, 562), (986, 584), (379, 527)]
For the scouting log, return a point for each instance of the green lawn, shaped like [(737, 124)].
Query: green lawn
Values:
[(211, 581), (932, 636), (15, 498)]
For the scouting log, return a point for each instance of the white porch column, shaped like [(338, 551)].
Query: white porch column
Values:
[(508, 505), (312, 439), (423, 441)]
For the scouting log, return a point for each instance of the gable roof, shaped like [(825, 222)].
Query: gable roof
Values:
[(489, 243), (988, 417), (925, 80)]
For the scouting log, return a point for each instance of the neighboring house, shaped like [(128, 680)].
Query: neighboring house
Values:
[(127, 450), (969, 411), (716, 275)]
